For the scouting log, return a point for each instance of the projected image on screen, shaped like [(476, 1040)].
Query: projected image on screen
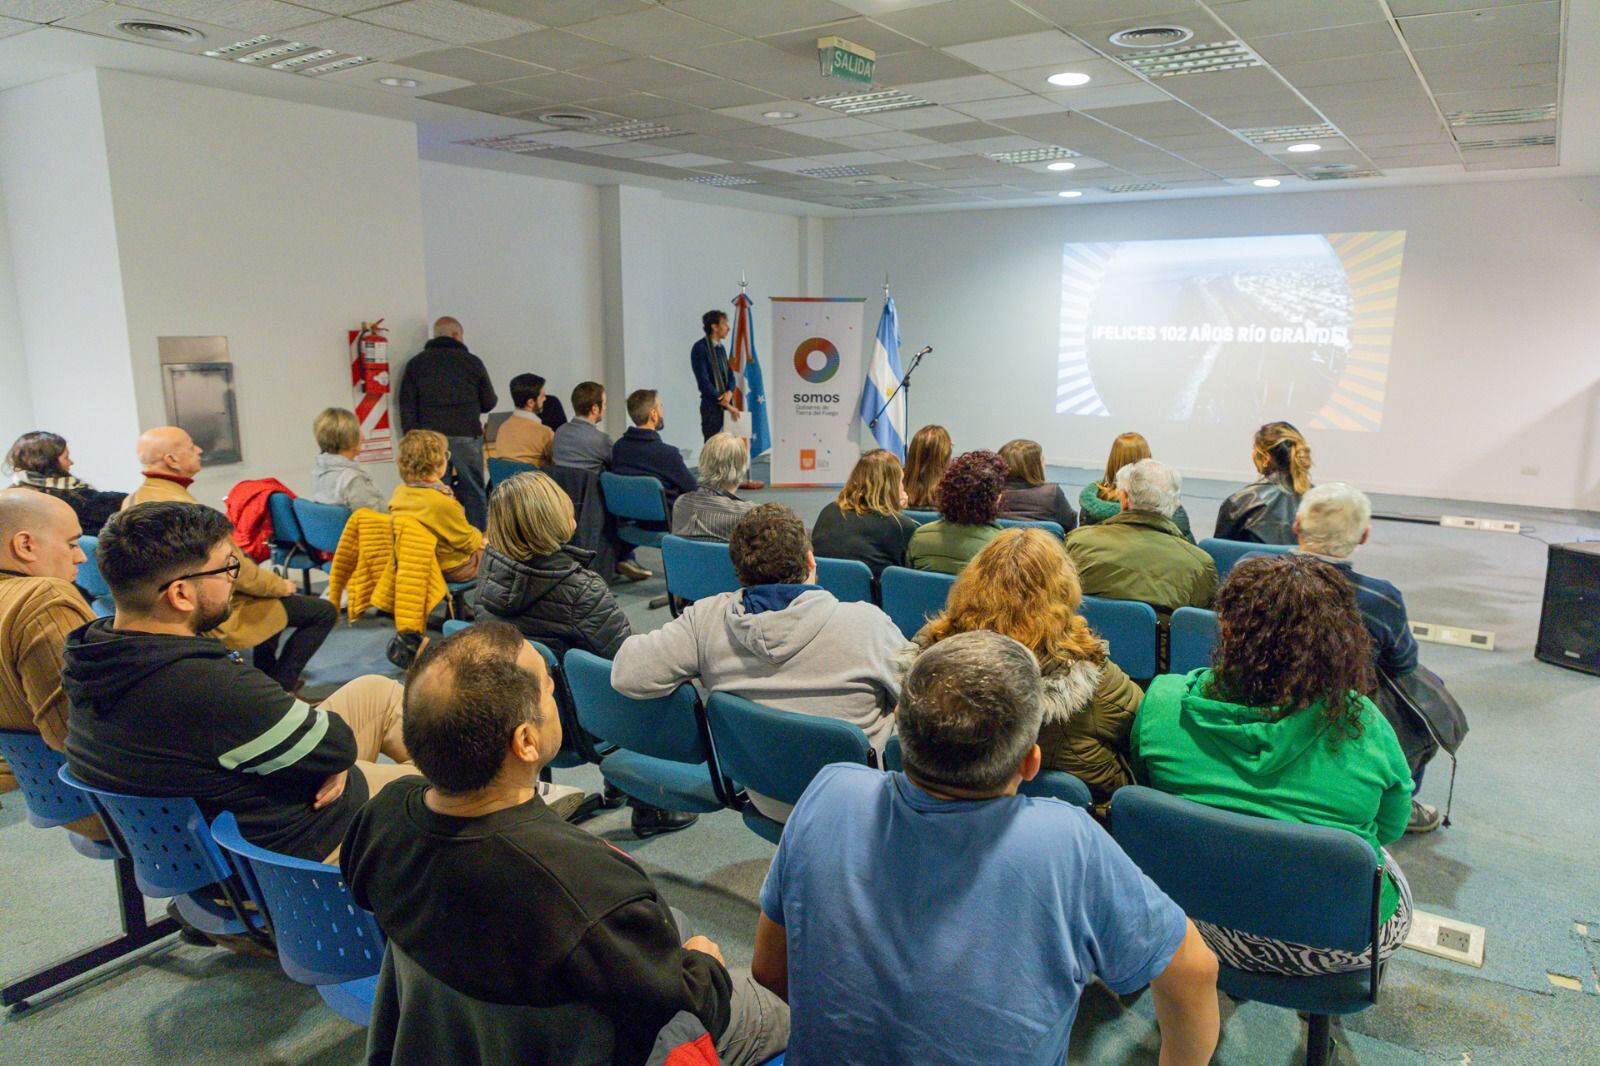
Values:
[(1235, 330)]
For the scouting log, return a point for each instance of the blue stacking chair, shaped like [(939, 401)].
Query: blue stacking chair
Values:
[(174, 856), (321, 526), (1046, 784), (777, 753), (911, 597), (921, 518), (323, 938), (505, 469), (1309, 884), (1193, 636), (633, 500), (664, 756), (288, 541), (850, 580), (51, 802), (695, 569), (1032, 523), (89, 579), (1225, 553), (1130, 628)]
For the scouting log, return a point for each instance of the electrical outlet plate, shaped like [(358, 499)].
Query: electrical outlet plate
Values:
[(1490, 525), (1433, 934), (1434, 633)]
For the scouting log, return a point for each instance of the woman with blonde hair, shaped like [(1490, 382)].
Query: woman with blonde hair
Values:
[(926, 459), (1022, 585), (336, 477), (1028, 496), (1263, 511), (865, 522), (534, 579), (1098, 501)]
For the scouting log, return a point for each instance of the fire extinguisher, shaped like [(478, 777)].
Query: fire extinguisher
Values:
[(372, 350)]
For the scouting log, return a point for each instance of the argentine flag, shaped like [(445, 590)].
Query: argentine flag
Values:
[(883, 374)]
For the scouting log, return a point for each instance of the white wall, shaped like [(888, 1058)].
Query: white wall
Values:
[(1493, 369), (16, 399), (278, 225)]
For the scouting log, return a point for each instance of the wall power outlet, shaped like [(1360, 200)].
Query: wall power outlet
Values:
[(1434, 934), (1435, 633), (1490, 525)]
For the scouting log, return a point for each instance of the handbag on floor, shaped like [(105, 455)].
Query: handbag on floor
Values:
[(405, 647), (1425, 717)]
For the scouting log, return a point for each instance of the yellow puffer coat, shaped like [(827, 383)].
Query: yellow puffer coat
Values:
[(387, 563)]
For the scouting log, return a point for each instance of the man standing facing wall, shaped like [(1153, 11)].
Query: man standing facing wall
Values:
[(445, 388)]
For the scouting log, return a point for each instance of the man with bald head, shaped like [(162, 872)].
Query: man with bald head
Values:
[(445, 388), (39, 557), (264, 605)]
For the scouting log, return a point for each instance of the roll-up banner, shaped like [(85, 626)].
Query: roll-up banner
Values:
[(815, 383)]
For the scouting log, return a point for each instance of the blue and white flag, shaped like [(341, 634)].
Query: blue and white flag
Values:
[(883, 374), (749, 393)]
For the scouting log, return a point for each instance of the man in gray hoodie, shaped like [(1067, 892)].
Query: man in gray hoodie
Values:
[(781, 640)]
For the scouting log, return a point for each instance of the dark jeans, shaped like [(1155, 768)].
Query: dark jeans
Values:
[(311, 619), (711, 416), (466, 478)]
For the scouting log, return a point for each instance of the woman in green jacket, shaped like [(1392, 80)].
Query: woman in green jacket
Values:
[(969, 501), (1098, 500), (1282, 728)]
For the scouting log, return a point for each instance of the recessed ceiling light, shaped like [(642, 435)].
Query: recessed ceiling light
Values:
[(1069, 193), (1266, 183), (780, 114), (400, 83), (1305, 146), (1068, 78), (1063, 165)]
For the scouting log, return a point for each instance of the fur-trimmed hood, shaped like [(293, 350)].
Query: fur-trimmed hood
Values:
[(1067, 689)]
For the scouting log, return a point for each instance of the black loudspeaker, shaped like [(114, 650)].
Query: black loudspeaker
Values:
[(1569, 627)]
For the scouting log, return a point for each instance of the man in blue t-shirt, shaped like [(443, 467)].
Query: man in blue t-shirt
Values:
[(937, 916)]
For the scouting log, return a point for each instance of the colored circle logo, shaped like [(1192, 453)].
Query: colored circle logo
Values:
[(816, 360)]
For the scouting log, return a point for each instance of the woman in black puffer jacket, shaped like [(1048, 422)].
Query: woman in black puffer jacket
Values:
[(532, 578)]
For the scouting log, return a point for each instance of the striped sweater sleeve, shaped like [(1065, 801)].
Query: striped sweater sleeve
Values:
[(42, 642), (269, 734)]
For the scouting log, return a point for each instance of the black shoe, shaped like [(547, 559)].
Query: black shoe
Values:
[(653, 821), (186, 932), (613, 797)]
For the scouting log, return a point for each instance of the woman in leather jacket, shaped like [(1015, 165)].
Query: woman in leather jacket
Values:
[(1263, 511)]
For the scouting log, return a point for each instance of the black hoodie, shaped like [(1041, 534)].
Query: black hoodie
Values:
[(160, 715)]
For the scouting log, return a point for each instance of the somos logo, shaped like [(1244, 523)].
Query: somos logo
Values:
[(816, 360)]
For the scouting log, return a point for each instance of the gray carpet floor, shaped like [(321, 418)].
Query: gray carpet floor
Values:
[(1521, 860)]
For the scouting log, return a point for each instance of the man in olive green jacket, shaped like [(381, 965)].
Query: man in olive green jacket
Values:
[(1140, 554)]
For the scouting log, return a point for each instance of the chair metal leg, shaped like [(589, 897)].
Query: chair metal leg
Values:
[(305, 581), (137, 933), (1319, 1040)]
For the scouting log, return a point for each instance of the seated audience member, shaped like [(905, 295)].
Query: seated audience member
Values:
[(1332, 521), (1099, 501), (552, 414), (581, 443), (781, 640), (641, 451), (1264, 510), (523, 437), (1140, 554), (926, 457), (712, 510), (39, 557), (1023, 586), (1028, 496), (988, 911), (482, 886), (969, 501), (41, 460), (864, 522), (423, 458), (336, 478), (160, 709), (263, 604), (1279, 728)]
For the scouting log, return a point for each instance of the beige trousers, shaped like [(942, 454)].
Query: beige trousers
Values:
[(371, 707)]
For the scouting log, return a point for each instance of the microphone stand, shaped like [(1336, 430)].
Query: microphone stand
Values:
[(903, 386)]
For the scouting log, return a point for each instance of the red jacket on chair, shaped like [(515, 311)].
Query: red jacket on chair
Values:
[(246, 505)]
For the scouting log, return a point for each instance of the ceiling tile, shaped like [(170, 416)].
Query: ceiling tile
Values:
[(257, 16), (1379, 66), (802, 44), (1415, 156), (1413, 139), (559, 12), (918, 118), (1259, 18), (13, 27), (1335, 43), (334, 7), (1474, 27), (742, 60), (483, 98), (920, 64), (851, 159), (1512, 158), (1089, 97), (1497, 99), (924, 151), (723, 125), (1102, 73), (825, 128), (555, 48), (1143, 120), (1402, 8), (1256, 86), (960, 131), (643, 74), (1024, 50), (447, 20), (557, 88), (1534, 48), (639, 105), (1206, 29), (756, 18), (1008, 107), (716, 92), (756, 112), (782, 141), (881, 140), (653, 31), (471, 65), (366, 39), (961, 90), (1073, 13), (963, 21), (1517, 77), (686, 159), (42, 11)]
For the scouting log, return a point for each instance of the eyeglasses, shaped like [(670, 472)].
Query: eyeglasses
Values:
[(231, 568)]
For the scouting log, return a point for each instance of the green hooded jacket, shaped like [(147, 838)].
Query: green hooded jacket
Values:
[(1228, 756)]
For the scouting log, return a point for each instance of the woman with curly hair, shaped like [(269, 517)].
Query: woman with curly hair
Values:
[(1263, 511), (40, 460), (1282, 727), (1023, 586), (926, 457), (969, 501)]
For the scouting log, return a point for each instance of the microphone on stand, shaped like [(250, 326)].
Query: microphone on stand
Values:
[(904, 385), (924, 352)]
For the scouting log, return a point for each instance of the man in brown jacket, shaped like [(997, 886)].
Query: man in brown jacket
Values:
[(39, 557), (263, 604)]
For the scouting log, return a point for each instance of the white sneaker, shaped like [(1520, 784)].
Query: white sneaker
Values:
[(1424, 818)]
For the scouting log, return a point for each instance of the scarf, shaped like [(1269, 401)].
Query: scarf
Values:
[(45, 483)]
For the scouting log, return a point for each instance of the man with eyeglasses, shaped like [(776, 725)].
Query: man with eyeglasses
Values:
[(160, 707)]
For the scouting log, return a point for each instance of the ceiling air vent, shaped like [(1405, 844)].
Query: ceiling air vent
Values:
[(1287, 134), (516, 143), (567, 117), (869, 103), (1337, 172), (1151, 36), (1148, 186), (720, 180), (164, 32), (1034, 155), (1503, 117), (833, 172), (1191, 59), (636, 130), (1507, 142)]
